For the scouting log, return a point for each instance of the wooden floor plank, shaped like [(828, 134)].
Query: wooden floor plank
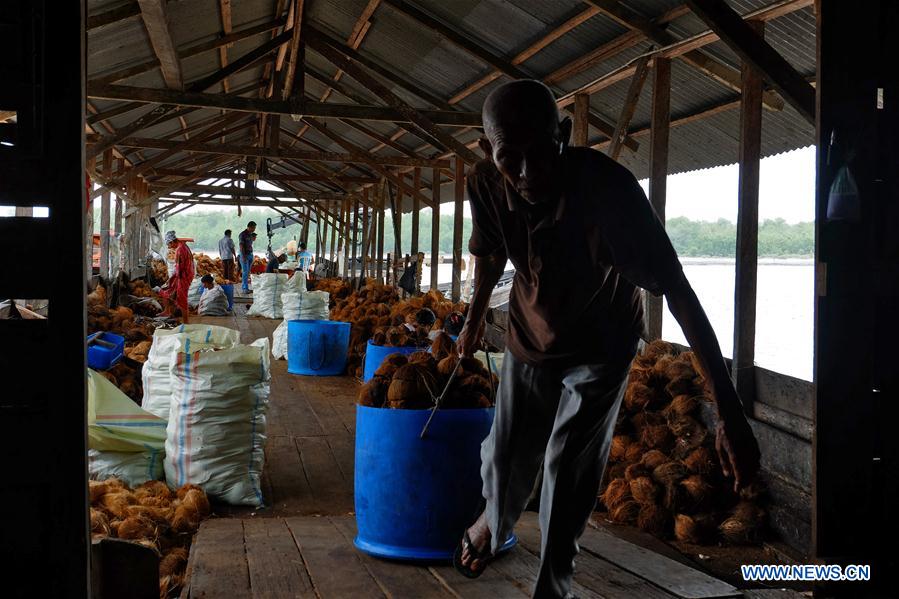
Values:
[(331, 492), (291, 493), (522, 568), (599, 576), (332, 562), (293, 409), (674, 577), (344, 449), (491, 584), (276, 567), (400, 580), (220, 567), (320, 393)]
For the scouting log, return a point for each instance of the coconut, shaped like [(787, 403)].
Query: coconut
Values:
[(425, 359), (675, 498), (99, 523), (468, 389), (397, 359), (616, 471), (644, 419), (625, 513), (116, 503), (185, 489), (636, 397), (682, 405), (195, 499), (701, 461), (657, 436), (153, 488), (443, 346), (633, 452), (97, 490), (159, 502), (185, 520), (374, 393), (696, 529), (669, 473), (410, 388), (616, 493), (685, 426), (618, 447), (173, 562), (136, 527), (635, 471), (644, 490), (473, 366), (655, 350), (653, 458), (654, 519), (387, 369), (745, 525), (699, 490)]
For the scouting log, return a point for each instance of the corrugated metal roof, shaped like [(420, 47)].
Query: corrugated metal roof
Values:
[(424, 58)]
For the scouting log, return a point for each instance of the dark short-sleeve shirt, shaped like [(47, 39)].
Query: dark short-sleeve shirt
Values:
[(246, 243), (579, 262)]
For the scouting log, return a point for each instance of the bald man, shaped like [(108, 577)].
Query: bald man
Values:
[(584, 240)]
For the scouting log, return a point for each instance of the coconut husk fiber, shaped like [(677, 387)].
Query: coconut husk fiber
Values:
[(153, 488), (644, 490), (617, 492), (698, 529), (373, 394), (701, 460), (637, 397), (619, 447), (670, 473), (195, 499), (443, 346), (136, 527), (410, 388), (699, 490), (682, 405), (625, 513), (633, 452), (99, 523), (116, 503), (173, 562), (635, 471), (653, 351), (654, 519), (425, 359), (745, 525), (653, 458), (657, 436)]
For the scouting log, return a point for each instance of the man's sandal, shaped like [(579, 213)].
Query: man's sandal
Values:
[(484, 557)]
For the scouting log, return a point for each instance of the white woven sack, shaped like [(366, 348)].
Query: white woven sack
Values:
[(132, 467), (216, 430), (155, 372), (267, 290)]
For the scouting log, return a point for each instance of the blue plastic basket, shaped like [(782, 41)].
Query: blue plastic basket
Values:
[(376, 354), (102, 358), (317, 347), (415, 497)]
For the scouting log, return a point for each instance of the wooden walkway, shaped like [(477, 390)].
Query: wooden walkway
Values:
[(300, 545)]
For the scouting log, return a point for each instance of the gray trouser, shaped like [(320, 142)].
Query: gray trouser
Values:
[(561, 417)]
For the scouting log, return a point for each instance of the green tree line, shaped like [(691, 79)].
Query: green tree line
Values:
[(690, 238)]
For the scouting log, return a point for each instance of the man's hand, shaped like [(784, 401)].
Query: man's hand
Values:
[(738, 451), (469, 340)]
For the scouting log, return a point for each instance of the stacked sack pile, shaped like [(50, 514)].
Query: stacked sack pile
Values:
[(297, 304), (120, 321), (663, 473), (413, 382), (154, 516)]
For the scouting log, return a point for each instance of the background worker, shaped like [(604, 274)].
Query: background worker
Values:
[(226, 253), (553, 211), (213, 302), (245, 240), (176, 288), (306, 262), (274, 262)]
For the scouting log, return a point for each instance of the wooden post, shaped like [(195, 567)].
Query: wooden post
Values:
[(382, 192), (335, 233), (365, 234), (117, 219), (396, 214), (322, 235), (743, 370), (416, 209), (104, 217), (581, 114), (348, 237), (459, 179), (355, 233), (435, 227), (658, 171)]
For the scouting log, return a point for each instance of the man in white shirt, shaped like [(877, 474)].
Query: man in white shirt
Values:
[(227, 253), (213, 302)]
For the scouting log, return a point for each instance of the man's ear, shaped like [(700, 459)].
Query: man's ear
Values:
[(486, 147), (564, 133)]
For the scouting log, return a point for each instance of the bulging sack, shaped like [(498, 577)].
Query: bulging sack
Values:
[(134, 468), (216, 430), (155, 372), (310, 305), (267, 290)]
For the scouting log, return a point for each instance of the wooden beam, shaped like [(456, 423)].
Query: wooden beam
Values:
[(715, 69), (241, 192), (459, 187), (660, 120), (232, 150), (225, 14), (200, 85), (382, 189), (219, 43), (104, 217), (259, 105), (120, 13), (629, 107), (746, 270), (314, 34), (416, 210), (752, 48), (580, 134), (296, 53), (171, 172), (156, 22), (355, 232), (435, 227), (439, 137)]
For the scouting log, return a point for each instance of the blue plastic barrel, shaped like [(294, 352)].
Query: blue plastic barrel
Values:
[(317, 347), (375, 355), (415, 497), (228, 288)]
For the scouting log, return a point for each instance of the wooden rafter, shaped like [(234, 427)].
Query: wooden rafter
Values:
[(171, 172), (715, 69), (753, 49), (225, 14), (155, 20), (120, 13), (628, 107)]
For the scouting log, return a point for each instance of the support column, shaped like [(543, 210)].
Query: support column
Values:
[(743, 370), (117, 219), (459, 179), (104, 217), (365, 235), (382, 189), (416, 209), (435, 227), (580, 132), (355, 232), (658, 172)]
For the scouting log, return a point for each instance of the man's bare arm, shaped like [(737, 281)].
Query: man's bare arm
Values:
[(737, 448), (487, 272)]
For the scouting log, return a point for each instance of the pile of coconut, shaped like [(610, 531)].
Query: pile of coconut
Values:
[(211, 266), (154, 516), (336, 288), (414, 382), (663, 473)]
